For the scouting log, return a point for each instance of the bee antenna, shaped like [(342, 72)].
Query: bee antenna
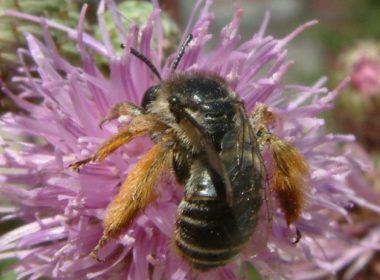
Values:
[(144, 59), (182, 51)]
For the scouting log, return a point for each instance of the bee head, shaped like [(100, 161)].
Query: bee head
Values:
[(151, 93)]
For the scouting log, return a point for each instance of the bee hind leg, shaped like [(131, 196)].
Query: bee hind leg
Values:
[(135, 194), (290, 169)]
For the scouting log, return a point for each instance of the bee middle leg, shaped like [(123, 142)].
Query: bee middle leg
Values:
[(140, 125)]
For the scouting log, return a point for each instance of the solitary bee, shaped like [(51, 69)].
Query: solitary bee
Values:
[(201, 130)]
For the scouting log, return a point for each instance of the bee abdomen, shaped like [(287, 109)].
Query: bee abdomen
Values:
[(206, 235), (203, 258)]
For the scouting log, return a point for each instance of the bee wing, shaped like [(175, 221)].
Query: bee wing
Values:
[(217, 165), (213, 158), (263, 229), (240, 154), (244, 164)]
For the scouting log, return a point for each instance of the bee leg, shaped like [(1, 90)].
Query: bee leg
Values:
[(260, 119), (290, 170), (122, 109), (139, 126), (135, 193), (298, 236)]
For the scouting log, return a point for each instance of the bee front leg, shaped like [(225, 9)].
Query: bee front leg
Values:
[(141, 125), (122, 109)]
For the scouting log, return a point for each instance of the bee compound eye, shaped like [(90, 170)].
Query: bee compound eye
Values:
[(150, 96)]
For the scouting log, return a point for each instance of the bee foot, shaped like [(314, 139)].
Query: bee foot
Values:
[(298, 236), (77, 165), (94, 254)]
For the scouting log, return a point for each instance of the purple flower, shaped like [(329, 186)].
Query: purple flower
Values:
[(355, 253), (357, 111), (63, 210), (362, 62), (366, 76)]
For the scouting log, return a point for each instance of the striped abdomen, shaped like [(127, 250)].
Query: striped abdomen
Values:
[(206, 233), (209, 233)]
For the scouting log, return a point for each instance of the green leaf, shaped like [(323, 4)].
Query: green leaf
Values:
[(248, 271)]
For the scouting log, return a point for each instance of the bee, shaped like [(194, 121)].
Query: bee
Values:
[(202, 131)]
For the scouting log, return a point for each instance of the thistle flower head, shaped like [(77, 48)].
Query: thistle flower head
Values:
[(63, 210), (363, 64), (357, 111)]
